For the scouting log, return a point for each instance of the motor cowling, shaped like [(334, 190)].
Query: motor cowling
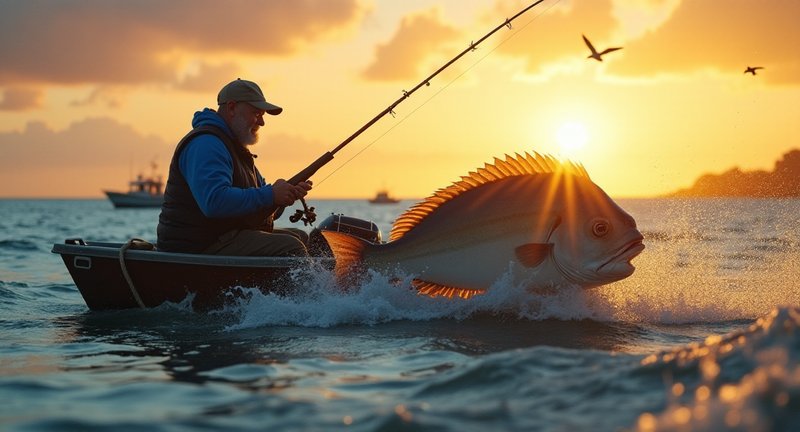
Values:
[(361, 228)]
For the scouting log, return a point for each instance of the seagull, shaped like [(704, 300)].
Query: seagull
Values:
[(595, 55), (752, 69)]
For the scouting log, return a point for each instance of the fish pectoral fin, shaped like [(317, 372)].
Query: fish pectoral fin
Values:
[(532, 254), (436, 290)]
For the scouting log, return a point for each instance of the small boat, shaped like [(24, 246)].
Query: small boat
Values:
[(383, 197), (143, 192), (135, 275)]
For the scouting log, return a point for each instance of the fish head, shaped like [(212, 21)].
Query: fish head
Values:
[(595, 239)]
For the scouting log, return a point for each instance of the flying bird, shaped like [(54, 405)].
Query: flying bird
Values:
[(752, 69), (596, 55)]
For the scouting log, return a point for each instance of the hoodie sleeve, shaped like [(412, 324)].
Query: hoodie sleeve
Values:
[(208, 169)]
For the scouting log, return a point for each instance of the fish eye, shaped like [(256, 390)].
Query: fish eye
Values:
[(600, 227)]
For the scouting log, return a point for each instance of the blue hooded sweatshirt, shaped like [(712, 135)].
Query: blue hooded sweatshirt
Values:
[(207, 167)]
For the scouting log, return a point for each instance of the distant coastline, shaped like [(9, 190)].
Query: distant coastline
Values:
[(783, 181)]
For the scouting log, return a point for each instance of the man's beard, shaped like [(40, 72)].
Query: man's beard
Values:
[(243, 133)]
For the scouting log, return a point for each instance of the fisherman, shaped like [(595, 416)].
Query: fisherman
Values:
[(216, 201)]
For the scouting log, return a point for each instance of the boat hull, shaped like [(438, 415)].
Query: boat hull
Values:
[(383, 197), (159, 277), (384, 201), (130, 200)]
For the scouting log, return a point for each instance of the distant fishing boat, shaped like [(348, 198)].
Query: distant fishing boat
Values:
[(383, 197), (143, 192)]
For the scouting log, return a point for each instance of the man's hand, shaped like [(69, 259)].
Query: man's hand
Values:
[(284, 194)]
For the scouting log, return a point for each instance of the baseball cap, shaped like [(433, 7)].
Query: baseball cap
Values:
[(240, 90)]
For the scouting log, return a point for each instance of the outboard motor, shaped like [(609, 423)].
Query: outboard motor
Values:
[(366, 230)]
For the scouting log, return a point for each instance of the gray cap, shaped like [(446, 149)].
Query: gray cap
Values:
[(241, 90)]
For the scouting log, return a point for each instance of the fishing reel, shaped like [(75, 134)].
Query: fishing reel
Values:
[(306, 215)]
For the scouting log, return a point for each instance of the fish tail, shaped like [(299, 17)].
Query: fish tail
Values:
[(348, 251)]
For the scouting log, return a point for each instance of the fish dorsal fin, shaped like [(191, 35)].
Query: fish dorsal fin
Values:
[(516, 165), (435, 290)]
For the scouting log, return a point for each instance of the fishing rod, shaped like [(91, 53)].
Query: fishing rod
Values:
[(307, 214)]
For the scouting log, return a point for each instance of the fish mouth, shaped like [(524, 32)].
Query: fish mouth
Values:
[(621, 261)]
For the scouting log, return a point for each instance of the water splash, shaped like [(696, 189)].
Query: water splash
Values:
[(693, 283), (656, 293), (319, 302), (709, 260)]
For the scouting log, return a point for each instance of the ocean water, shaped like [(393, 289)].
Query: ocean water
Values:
[(704, 336)]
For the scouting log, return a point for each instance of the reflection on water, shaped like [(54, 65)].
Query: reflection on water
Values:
[(195, 348)]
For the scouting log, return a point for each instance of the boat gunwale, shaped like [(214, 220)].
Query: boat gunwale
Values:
[(111, 250)]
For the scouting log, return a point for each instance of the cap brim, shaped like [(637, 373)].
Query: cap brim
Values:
[(268, 107)]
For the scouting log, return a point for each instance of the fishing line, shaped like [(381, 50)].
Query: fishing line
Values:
[(443, 88)]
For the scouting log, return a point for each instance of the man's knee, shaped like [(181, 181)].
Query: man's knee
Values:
[(259, 243), (293, 246), (300, 234)]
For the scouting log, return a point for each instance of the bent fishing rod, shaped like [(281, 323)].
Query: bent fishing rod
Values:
[(307, 214)]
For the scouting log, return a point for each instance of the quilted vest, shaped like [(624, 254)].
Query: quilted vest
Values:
[(182, 226)]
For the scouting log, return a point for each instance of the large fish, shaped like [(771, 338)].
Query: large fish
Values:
[(544, 220)]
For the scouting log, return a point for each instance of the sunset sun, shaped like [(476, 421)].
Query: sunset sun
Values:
[(572, 137)]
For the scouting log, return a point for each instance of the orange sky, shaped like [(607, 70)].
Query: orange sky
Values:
[(92, 91)]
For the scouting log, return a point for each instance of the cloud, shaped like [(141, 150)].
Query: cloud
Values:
[(90, 142), (726, 36), (20, 99), (417, 38), (98, 153), (101, 95), (208, 77), (555, 35), (125, 42), (80, 160), (676, 38)]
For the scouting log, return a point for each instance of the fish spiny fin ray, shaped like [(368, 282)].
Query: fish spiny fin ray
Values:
[(526, 164), (435, 290)]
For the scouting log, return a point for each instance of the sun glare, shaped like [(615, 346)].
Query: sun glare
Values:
[(572, 137)]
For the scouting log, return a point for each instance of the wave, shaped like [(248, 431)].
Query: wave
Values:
[(8, 292), (747, 380), (18, 245)]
